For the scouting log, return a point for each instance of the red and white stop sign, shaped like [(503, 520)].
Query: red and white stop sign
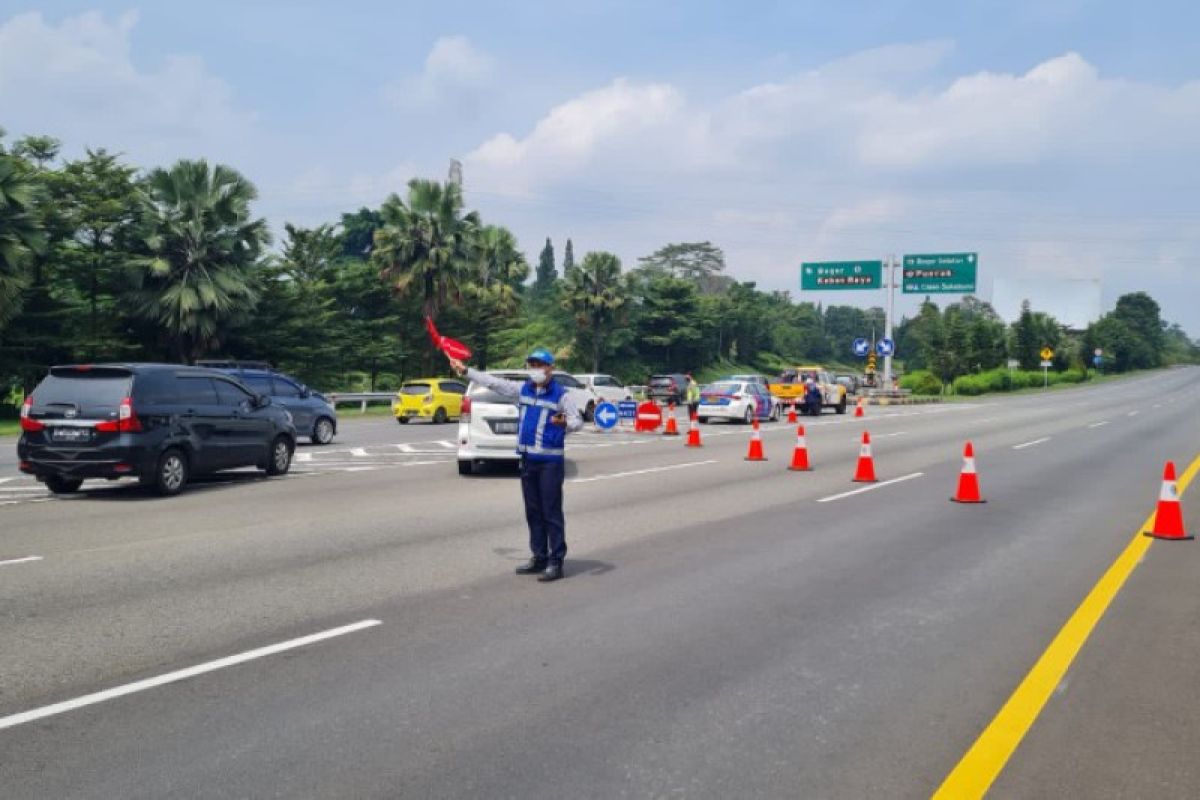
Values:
[(649, 417)]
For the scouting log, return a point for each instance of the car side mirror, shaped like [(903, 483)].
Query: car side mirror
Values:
[(261, 401), (305, 393)]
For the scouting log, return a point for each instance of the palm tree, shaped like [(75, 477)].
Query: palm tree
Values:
[(595, 291), (201, 246), (427, 245), (20, 234), (499, 271)]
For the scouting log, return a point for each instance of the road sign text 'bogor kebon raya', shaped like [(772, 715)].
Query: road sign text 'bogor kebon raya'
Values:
[(833, 275)]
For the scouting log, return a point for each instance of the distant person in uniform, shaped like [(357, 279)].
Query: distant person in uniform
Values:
[(548, 413), (693, 395)]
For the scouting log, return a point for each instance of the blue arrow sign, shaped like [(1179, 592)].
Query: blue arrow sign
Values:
[(861, 347), (885, 347), (606, 416)]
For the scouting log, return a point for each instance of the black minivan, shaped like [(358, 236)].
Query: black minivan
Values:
[(160, 423)]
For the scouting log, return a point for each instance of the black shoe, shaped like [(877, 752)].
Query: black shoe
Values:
[(552, 573), (534, 566)]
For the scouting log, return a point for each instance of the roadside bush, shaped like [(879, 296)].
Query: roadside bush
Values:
[(921, 382)]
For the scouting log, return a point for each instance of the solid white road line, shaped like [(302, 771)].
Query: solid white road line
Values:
[(875, 436), (179, 675), (1098, 424), (302, 458), (642, 471), (1023, 445), (24, 560), (870, 488), (448, 445), (6, 480), (358, 452)]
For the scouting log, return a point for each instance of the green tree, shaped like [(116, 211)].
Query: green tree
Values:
[(21, 236), (1141, 314), (701, 263), (1026, 342), (99, 199), (547, 271), (669, 324), (595, 293), (493, 290), (568, 258), (41, 150), (201, 243), (427, 245)]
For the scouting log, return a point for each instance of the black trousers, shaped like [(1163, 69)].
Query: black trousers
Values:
[(542, 488)]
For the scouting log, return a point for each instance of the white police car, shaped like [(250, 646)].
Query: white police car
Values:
[(737, 401)]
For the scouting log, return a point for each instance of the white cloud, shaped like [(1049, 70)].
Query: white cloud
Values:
[(455, 72), (1057, 169), (77, 81)]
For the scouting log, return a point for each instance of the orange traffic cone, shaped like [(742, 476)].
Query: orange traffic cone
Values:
[(968, 480), (800, 456), (756, 447), (866, 463), (671, 429), (858, 408), (1168, 517), (792, 413), (693, 439)]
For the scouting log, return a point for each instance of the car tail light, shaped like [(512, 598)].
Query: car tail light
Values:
[(28, 423), (465, 416), (126, 421)]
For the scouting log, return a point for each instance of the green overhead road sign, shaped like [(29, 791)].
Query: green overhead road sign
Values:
[(947, 273), (823, 275)]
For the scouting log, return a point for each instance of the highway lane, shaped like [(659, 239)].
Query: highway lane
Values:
[(721, 630)]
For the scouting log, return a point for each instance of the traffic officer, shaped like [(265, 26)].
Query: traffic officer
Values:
[(548, 413), (693, 395)]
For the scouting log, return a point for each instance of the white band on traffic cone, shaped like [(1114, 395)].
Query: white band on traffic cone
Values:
[(1169, 494), (968, 466)]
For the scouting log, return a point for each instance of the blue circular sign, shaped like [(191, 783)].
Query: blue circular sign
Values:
[(606, 416), (885, 347), (861, 347)]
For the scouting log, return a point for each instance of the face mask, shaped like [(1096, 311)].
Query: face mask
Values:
[(538, 376)]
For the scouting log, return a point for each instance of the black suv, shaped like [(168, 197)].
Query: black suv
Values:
[(671, 388), (157, 422)]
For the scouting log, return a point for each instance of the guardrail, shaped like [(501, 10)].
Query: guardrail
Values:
[(363, 398)]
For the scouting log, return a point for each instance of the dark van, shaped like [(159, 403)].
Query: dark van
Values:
[(159, 423), (670, 388)]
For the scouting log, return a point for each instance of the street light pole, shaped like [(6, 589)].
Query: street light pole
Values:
[(887, 323)]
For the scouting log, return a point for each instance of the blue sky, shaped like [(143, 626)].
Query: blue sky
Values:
[(1055, 138)]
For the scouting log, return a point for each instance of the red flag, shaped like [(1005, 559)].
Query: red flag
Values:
[(451, 347)]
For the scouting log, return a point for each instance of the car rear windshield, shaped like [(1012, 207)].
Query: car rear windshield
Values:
[(661, 381), (482, 394), (91, 388), (415, 388), (723, 388)]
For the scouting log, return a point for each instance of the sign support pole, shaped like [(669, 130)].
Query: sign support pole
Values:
[(890, 272)]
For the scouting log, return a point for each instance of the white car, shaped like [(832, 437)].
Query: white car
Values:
[(487, 428), (606, 387), (737, 401)]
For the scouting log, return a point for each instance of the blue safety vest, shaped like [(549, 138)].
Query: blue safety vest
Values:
[(537, 439)]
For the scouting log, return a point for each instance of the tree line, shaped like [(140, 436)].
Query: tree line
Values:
[(100, 260)]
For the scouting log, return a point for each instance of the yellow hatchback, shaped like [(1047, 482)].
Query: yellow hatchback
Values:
[(436, 399)]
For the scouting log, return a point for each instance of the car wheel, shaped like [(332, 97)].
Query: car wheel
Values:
[(280, 460), (171, 474), (466, 467), (775, 413), (702, 420), (402, 420), (841, 407), (57, 484), (589, 413), (323, 431), (439, 416), (748, 417)]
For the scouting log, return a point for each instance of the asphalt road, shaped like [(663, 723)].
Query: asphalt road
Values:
[(727, 629)]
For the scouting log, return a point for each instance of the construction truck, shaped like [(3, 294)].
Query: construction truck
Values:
[(792, 386)]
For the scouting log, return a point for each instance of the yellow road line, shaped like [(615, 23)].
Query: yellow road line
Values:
[(979, 767)]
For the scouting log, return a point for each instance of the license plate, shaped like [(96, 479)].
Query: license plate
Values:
[(506, 427), (70, 434)]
